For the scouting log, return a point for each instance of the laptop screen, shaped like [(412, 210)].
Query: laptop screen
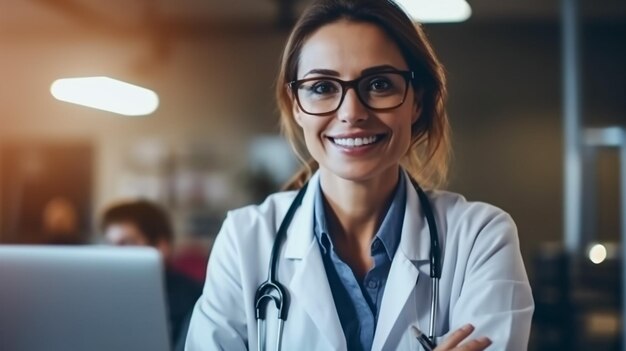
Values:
[(81, 298)]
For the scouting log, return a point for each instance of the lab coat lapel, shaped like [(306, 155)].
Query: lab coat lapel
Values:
[(403, 274), (309, 285)]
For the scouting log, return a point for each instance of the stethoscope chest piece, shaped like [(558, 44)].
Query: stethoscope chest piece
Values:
[(270, 291)]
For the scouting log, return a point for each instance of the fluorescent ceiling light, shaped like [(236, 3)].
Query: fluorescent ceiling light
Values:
[(597, 254), (108, 94), (436, 11)]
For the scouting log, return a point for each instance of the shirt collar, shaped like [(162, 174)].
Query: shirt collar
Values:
[(321, 226), (390, 229), (389, 232)]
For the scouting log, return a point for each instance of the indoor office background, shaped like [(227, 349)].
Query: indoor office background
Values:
[(213, 143)]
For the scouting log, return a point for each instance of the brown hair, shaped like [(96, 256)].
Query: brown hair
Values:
[(151, 220), (427, 157)]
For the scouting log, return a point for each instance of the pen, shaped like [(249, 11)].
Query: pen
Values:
[(423, 339)]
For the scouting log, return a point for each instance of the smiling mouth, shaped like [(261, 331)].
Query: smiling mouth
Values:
[(357, 142)]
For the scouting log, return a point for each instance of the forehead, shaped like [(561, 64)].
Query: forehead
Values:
[(348, 48), (124, 229)]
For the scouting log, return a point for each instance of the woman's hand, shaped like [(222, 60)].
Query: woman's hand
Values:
[(452, 342)]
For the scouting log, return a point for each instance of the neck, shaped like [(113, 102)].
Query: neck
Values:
[(355, 208)]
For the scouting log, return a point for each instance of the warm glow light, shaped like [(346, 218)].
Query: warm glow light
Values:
[(437, 11), (104, 93), (597, 253)]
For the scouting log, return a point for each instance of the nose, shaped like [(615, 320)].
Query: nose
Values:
[(352, 109)]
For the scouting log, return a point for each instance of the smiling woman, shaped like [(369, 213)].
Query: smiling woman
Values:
[(360, 257), (375, 110), (408, 53)]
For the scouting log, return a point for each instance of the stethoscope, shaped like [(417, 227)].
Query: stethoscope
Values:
[(272, 290)]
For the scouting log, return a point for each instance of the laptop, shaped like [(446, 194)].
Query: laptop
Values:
[(82, 298)]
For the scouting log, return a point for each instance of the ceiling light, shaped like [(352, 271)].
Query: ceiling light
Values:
[(436, 11), (597, 254), (108, 94)]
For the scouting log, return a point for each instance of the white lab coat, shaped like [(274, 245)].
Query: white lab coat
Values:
[(483, 279)]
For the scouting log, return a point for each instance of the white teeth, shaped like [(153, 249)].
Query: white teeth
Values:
[(352, 142)]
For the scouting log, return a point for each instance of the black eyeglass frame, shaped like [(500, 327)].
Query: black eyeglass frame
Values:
[(345, 85)]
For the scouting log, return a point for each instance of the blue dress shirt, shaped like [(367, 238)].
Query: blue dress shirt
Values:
[(358, 302)]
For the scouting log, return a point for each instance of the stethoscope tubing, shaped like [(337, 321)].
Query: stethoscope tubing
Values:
[(435, 258)]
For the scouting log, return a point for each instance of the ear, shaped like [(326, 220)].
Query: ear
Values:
[(295, 109), (297, 113)]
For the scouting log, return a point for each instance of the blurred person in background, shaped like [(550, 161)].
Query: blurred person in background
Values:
[(350, 259), (143, 223), (60, 223)]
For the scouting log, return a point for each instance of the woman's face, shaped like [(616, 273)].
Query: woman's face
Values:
[(355, 142)]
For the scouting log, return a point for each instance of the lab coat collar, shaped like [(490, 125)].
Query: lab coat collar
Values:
[(300, 232), (403, 274), (309, 284), (415, 239)]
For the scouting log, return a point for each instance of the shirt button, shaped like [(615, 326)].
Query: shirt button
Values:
[(325, 242), (372, 284), (375, 245)]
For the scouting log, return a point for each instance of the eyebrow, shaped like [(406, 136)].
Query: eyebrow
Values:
[(369, 70), (381, 68), (325, 72)]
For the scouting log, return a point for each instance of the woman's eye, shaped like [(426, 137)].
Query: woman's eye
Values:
[(323, 88), (380, 85)]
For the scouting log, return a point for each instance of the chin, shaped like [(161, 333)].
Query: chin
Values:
[(357, 172)]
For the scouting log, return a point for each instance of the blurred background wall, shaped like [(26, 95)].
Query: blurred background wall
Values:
[(213, 64)]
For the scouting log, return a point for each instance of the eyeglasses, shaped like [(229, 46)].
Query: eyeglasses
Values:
[(379, 91)]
